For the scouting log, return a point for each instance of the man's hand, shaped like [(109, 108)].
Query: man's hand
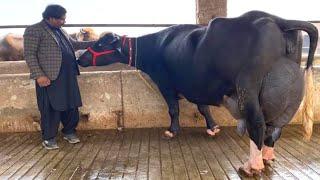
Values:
[(43, 81)]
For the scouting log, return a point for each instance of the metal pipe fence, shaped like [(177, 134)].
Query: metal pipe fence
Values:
[(107, 25), (94, 25)]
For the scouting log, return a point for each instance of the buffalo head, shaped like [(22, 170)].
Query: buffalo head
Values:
[(105, 51)]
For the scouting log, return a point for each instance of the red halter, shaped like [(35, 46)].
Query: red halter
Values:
[(96, 54)]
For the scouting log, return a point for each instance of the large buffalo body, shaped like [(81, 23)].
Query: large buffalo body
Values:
[(229, 57)]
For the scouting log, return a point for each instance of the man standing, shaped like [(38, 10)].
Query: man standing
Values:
[(49, 53)]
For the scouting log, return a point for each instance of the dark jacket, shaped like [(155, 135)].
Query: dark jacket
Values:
[(42, 52)]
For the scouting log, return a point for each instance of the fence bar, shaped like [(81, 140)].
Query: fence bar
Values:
[(94, 25)]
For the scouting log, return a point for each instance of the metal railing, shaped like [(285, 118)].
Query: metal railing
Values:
[(108, 25), (94, 25)]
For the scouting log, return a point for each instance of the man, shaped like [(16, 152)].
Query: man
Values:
[(49, 53)]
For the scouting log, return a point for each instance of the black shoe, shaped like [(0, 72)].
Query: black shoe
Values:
[(71, 138), (50, 144)]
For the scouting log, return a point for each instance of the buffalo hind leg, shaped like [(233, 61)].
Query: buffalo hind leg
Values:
[(255, 164), (272, 135), (212, 127), (248, 102)]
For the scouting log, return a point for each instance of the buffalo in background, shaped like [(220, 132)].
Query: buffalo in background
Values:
[(85, 34), (11, 47)]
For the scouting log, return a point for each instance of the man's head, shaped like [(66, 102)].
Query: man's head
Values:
[(55, 15)]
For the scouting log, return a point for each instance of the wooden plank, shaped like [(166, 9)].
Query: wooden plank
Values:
[(298, 136), (315, 139), (294, 160), (41, 164), (189, 159), (28, 164), (142, 154), (7, 150), (166, 160), (11, 166), (179, 166), (102, 155), (142, 170), (270, 172), (123, 157), (154, 155), (133, 160), (37, 167), (307, 148), (211, 158), (16, 153), (108, 165), (307, 160), (16, 167), (200, 160), (7, 137), (87, 160), (62, 164), (306, 155), (299, 129), (51, 164), (76, 164), (224, 162)]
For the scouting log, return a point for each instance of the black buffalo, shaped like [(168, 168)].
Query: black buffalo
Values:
[(229, 57)]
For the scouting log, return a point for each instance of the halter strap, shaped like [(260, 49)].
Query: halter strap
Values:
[(96, 54), (124, 38), (130, 52)]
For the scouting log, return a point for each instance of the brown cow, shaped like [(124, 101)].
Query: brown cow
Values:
[(85, 34), (11, 47)]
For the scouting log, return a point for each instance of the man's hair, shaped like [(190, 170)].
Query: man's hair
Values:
[(54, 11)]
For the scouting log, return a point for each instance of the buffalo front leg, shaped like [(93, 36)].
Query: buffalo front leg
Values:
[(212, 127), (173, 106)]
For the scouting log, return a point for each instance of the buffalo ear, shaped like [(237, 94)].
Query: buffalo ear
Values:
[(115, 39)]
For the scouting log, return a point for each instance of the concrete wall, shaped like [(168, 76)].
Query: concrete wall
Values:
[(111, 99)]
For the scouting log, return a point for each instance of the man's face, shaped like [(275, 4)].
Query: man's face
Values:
[(57, 22)]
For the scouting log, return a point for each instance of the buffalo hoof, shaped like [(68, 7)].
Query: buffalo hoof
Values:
[(169, 135), (268, 155), (249, 172), (268, 162), (212, 132)]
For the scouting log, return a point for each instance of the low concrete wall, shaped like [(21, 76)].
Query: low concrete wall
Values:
[(111, 99)]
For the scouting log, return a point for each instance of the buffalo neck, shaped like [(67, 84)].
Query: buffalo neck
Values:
[(146, 54)]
